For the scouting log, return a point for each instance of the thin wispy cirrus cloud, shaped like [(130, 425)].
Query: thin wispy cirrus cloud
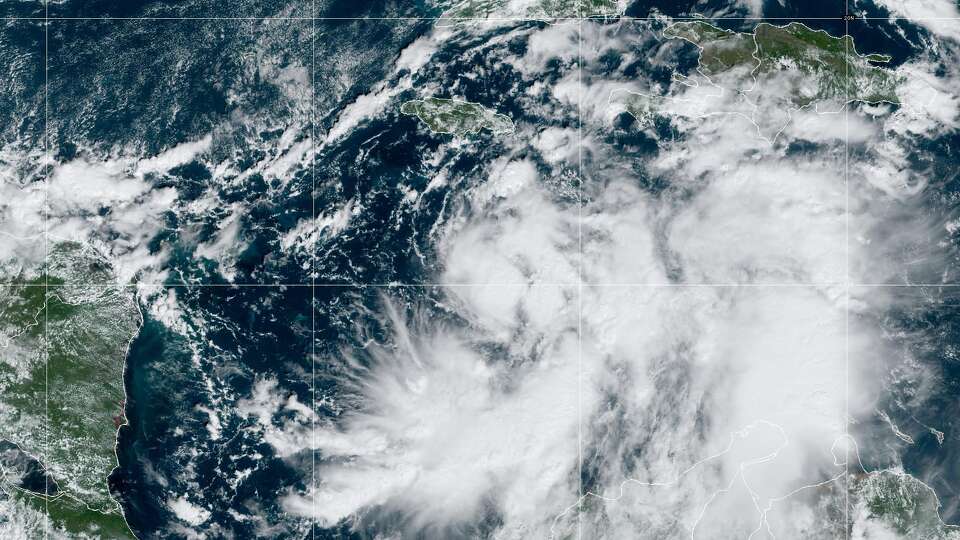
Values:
[(698, 381), (941, 17)]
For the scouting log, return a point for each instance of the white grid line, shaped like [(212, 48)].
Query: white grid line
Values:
[(313, 261), (580, 280), (46, 262), (846, 289), (846, 284), (621, 18), (851, 285)]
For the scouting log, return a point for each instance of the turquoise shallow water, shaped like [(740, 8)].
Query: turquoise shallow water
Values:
[(135, 87)]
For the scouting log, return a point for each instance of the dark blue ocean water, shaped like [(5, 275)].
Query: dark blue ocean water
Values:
[(252, 332), (148, 85), (257, 331)]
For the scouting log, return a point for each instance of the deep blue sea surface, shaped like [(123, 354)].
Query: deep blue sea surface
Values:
[(121, 85)]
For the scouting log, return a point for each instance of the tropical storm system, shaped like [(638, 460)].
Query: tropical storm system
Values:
[(485, 269)]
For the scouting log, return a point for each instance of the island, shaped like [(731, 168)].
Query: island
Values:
[(902, 504), (455, 117), (547, 9), (825, 67), (766, 76)]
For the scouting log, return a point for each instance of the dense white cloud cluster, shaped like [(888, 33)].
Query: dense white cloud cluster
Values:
[(941, 17), (684, 357), (677, 362)]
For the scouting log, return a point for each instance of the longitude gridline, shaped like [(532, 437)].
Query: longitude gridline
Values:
[(46, 260), (847, 283), (846, 290), (313, 261), (580, 278)]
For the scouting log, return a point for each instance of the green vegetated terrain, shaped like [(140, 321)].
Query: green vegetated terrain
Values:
[(814, 65), (906, 506), (64, 332), (457, 117), (766, 76), (534, 8)]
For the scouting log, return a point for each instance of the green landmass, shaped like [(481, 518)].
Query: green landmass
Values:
[(766, 76), (456, 117), (904, 505), (35, 516), (64, 332), (469, 9), (644, 108), (818, 66)]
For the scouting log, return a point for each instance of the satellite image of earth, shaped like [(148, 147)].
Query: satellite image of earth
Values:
[(486, 269)]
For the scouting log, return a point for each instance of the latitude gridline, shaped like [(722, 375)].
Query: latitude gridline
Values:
[(847, 284), (618, 18), (798, 285), (455, 285), (313, 257)]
